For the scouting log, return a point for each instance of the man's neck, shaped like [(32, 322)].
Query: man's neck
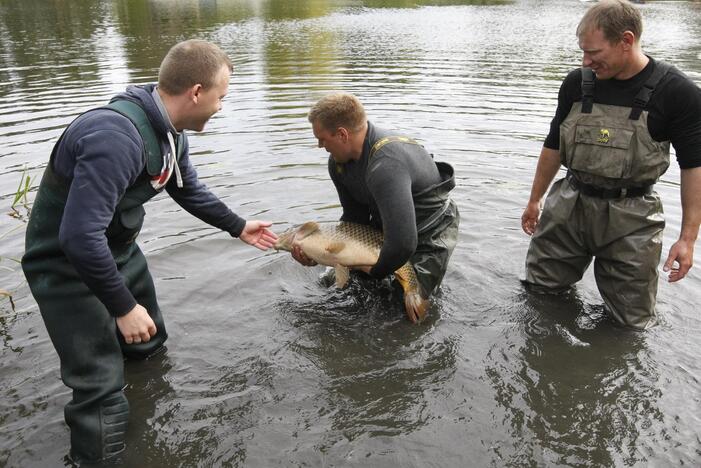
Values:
[(170, 105), (357, 140), (637, 63)]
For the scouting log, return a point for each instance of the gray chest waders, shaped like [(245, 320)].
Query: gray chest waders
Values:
[(437, 220), (85, 335), (605, 208)]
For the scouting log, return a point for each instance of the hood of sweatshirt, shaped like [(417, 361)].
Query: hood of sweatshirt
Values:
[(142, 96)]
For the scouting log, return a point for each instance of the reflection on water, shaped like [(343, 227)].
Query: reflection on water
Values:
[(265, 366)]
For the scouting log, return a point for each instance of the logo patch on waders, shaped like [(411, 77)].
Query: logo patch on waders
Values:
[(604, 136)]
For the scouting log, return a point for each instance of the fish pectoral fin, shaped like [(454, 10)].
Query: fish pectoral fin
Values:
[(306, 229), (342, 276), (335, 247)]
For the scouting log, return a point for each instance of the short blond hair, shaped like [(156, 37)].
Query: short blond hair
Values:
[(189, 63), (338, 110), (613, 18)]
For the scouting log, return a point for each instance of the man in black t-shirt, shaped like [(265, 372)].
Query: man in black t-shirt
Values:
[(615, 120)]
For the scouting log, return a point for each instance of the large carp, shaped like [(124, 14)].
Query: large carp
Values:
[(346, 245)]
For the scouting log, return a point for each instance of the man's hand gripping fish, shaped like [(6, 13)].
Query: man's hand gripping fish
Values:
[(345, 246)]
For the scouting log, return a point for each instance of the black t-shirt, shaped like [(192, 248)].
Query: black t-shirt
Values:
[(674, 109)]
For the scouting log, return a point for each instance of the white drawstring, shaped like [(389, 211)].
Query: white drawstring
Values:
[(178, 177)]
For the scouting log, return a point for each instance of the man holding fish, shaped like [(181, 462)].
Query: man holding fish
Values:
[(391, 183)]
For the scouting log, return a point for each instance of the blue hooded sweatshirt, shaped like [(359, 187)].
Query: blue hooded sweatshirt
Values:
[(101, 155)]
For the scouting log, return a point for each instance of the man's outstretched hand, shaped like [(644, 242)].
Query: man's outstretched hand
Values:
[(257, 234)]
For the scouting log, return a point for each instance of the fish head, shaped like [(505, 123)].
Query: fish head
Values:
[(285, 241), (293, 236)]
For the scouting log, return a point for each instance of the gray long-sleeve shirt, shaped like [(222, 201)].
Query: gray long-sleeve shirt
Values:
[(380, 191)]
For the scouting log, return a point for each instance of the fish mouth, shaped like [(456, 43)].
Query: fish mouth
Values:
[(285, 240)]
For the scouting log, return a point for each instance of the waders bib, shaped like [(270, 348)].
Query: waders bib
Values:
[(437, 220), (605, 208), (85, 335)]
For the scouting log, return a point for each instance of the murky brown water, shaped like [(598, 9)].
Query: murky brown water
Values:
[(265, 367)]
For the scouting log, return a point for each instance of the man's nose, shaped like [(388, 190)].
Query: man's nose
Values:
[(586, 60)]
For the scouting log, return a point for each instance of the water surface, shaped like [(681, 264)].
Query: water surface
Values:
[(265, 366)]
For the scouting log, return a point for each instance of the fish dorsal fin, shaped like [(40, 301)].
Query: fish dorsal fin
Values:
[(342, 276), (306, 229), (335, 247)]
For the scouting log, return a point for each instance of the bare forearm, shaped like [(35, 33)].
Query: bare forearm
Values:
[(681, 254), (548, 165), (691, 204)]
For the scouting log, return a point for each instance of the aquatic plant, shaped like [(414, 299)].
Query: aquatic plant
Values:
[(25, 185), (8, 295)]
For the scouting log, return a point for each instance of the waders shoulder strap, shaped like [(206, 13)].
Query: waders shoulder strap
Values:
[(140, 120), (645, 93), (152, 148), (379, 144), (390, 139), (587, 90)]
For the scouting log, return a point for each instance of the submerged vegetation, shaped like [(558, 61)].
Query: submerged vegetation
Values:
[(8, 295), (20, 199)]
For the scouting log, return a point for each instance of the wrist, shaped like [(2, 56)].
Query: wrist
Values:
[(688, 238), (689, 235)]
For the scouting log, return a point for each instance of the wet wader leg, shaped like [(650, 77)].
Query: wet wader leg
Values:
[(140, 283), (556, 258), (434, 250), (626, 270), (84, 335)]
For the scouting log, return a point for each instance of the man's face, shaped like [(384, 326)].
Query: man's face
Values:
[(333, 142), (209, 101), (607, 59)]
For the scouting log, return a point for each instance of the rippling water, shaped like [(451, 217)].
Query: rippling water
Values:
[(267, 367)]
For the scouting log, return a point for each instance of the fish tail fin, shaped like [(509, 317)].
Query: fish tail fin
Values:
[(416, 306)]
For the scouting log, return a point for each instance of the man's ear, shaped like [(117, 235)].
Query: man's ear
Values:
[(194, 93), (628, 39), (344, 134)]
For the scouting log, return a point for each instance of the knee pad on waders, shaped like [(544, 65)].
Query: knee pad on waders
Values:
[(100, 433)]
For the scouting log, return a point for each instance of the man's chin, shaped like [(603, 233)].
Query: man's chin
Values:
[(602, 75), (197, 127)]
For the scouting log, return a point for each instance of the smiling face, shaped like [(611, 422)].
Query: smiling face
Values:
[(209, 101), (607, 59)]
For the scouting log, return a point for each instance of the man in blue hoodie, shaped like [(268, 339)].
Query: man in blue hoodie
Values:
[(84, 268)]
